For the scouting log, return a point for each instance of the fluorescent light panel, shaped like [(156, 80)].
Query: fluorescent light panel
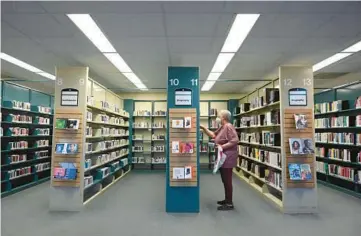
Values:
[(88, 26), (222, 62), (354, 48), (208, 85), (242, 25), (330, 60), (213, 76), (26, 66), (118, 62)]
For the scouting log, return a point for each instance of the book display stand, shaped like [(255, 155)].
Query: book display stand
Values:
[(182, 169), (90, 140), (269, 120)]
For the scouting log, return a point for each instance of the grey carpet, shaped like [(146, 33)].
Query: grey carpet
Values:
[(135, 206)]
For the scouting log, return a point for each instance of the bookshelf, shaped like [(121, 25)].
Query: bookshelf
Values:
[(26, 128), (256, 119), (265, 122), (148, 134), (338, 138), (90, 140), (209, 110)]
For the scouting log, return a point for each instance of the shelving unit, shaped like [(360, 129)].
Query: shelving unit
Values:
[(208, 113), (26, 166), (102, 138), (149, 152), (265, 120), (339, 163), (259, 164)]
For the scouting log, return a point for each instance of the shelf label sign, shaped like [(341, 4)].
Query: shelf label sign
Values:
[(69, 97), (183, 97), (297, 97)]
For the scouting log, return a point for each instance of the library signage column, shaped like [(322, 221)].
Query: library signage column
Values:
[(182, 175), (68, 151), (297, 140)]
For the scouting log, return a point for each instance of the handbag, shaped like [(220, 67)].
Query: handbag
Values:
[(221, 158)]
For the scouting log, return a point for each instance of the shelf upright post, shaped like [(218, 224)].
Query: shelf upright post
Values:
[(182, 195), (129, 107), (296, 96), (67, 195)]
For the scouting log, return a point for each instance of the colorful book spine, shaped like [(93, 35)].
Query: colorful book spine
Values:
[(341, 171), (337, 138)]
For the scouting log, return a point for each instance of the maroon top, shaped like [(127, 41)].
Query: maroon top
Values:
[(228, 138)]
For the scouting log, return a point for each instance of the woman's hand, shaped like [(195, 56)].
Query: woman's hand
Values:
[(202, 127)]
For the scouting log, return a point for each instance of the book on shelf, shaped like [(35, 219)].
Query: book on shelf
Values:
[(274, 178), (333, 106), (272, 95), (67, 123), (336, 138), (341, 171), (358, 102), (300, 121), (66, 148)]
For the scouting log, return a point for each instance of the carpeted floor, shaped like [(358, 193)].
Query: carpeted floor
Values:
[(135, 206)]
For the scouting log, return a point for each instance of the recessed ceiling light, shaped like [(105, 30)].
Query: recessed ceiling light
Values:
[(88, 26), (213, 76), (354, 48), (47, 75), (26, 66), (222, 62), (208, 85), (132, 78), (330, 60), (118, 62), (242, 25)]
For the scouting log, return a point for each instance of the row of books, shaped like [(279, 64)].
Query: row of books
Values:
[(19, 131), (333, 122), (42, 166), (338, 105), (271, 177), (338, 138), (342, 172), (149, 160), (334, 153), (104, 158), (25, 144), (103, 145), (271, 158), (271, 96), (265, 137), (26, 106), (269, 118), (106, 106)]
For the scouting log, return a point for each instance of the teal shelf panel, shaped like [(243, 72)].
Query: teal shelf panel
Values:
[(23, 187), (37, 160), (23, 111), (25, 149), (97, 181), (25, 124), (25, 137)]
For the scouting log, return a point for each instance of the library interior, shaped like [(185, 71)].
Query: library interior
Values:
[(172, 118)]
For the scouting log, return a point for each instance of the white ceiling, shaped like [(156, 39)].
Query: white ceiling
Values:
[(151, 36)]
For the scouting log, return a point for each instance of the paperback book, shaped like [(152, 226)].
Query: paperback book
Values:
[(300, 121), (66, 148), (67, 124), (301, 146), (299, 171)]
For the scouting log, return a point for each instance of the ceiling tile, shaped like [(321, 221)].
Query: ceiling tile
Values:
[(191, 25), (21, 7), (102, 7), (190, 45), (131, 25), (342, 25), (193, 7)]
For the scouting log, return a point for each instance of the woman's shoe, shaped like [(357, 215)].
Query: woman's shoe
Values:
[(223, 202), (226, 207)]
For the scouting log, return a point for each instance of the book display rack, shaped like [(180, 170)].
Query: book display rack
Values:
[(338, 132), (26, 128), (149, 134), (209, 111), (276, 147), (91, 140)]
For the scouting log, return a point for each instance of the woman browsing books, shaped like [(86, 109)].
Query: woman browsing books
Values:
[(226, 138)]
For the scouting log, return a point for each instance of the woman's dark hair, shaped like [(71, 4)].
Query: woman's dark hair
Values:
[(296, 142)]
